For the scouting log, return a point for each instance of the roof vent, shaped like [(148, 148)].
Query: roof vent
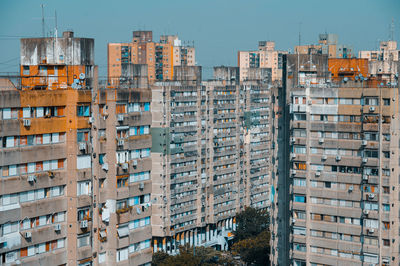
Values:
[(68, 34)]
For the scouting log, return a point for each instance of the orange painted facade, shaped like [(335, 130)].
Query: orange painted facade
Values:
[(350, 68)]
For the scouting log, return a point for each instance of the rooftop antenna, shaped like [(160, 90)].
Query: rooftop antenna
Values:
[(299, 33), (392, 30), (55, 18), (42, 20)]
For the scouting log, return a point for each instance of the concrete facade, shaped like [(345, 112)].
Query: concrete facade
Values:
[(337, 153), (327, 45), (383, 63), (265, 57), (210, 155), (160, 57), (75, 160)]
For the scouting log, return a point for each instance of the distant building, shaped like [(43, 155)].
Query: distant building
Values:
[(327, 45), (383, 63), (160, 57), (265, 57)]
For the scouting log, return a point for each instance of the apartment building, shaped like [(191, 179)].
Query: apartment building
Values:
[(383, 63), (45, 197), (75, 160), (327, 45), (337, 168), (121, 128), (210, 155), (265, 57), (160, 57)]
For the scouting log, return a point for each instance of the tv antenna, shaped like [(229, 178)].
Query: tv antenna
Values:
[(392, 30), (42, 20)]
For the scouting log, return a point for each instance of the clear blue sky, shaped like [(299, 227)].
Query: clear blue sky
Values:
[(219, 28)]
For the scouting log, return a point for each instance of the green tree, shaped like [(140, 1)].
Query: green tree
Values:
[(200, 256), (250, 223), (252, 236), (254, 250)]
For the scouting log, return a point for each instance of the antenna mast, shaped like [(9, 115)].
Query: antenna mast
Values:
[(55, 18), (299, 33), (392, 30), (42, 20)]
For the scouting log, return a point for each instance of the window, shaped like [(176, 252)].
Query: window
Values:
[(122, 254), (83, 110), (299, 182), (299, 247), (102, 257), (386, 242), (386, 101), (83, 240), (299, 198), (83, 161), (386, 207), (299, 230), (84, 188)]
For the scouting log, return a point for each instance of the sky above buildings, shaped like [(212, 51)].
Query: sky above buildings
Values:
[(218, 28)]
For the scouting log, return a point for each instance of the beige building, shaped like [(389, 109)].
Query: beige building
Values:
[(337, 167), (265, 57), (327, 45), (210, 155), (160, 57), (384, 62), (75, 160)]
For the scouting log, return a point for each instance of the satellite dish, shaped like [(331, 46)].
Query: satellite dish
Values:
[(356, 78), (345, 79), (76, 81), (82, 76)]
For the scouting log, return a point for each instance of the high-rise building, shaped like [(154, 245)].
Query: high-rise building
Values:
[(210, 154), (160, 57), (337, 166), (327, 45), (265, 57), (45, 197), (75, 160), (383, 63)]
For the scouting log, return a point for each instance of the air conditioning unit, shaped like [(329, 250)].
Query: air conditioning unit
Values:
[(91, 120), (121, 142), (105, 166), (364, 160), (293, 139), (371, 196), (365, 177), (321, 140), (120, 117), (318, 173), (366, 212), (57, 227), (324, 157), (338, 157), (141, 186), (28, 235), (27, 122), (293, 155), (364, 143), (125, 166), (82, 146), (351, 188), (134, 163), (370, 230), (372, 109), (83, 224), (309, 102), (293, 172), (31, 178)]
